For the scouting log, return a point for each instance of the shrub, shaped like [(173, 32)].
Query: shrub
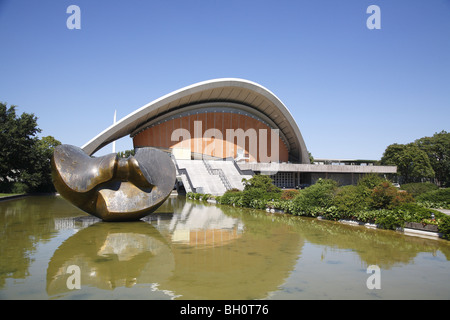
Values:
[(436, 199), (258, 204), (197, 196), (262, 182), (368, 216), (412, 212), (229, 197), (20, 187), (285, 205), (386, 196), (252, 194), (370, 181), (316, 198), (390, 220), (206, 196), (349, 199), (288, 194), (418, 188), (402, 197), (444, 226)]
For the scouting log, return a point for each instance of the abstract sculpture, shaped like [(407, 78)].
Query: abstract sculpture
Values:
[(113, 188)]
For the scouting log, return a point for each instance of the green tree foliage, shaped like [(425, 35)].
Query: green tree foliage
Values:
[(257, 192), (369, 181), (425, 158), (436, 198), (386, 196), (260, 189), (126, 153), (261, 182), (412, 163), (315, 198), (437, 148), (17, 140), (311, 158), (38, 174), (350, 199), (418, 188), (24, 158)]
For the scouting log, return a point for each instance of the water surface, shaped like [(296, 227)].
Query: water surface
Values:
[(194, 250)]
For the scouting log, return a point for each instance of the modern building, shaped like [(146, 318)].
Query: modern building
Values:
[(220, 131)]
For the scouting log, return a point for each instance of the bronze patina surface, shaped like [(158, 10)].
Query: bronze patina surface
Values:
[(113, 188)]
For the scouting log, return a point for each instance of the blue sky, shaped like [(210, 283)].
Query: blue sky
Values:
[(353, 91)]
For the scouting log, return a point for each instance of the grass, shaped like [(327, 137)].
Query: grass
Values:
[(9, 194)]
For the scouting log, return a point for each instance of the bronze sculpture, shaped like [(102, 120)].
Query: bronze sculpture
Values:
[(113, 188)]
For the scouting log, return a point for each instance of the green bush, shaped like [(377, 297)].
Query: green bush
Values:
[(368, 216), (252, 194), (386, 196), (206, 196), (384, 205), (197, 196), (370, 181), (285, 205), (390, 220), (257, 192), (315, 199), (444, 226), (20, 187), (288, 194), (261, 182), (230, 197), (435, 199), (418, 188), (413, 212), (350, 199)]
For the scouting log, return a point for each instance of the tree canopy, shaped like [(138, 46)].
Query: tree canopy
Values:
[(437, 149), (423, 159), (24, 158)]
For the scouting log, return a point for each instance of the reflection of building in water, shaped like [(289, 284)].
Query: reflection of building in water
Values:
[(128, 245), (208, 226), (186, 249), (75, 224)]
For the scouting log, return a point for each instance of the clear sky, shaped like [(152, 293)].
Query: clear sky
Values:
[(352, 90)]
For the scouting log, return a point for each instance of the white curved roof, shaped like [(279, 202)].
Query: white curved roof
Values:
[(233, 90)]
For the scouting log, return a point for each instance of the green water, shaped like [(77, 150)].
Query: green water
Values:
[(193, 250)]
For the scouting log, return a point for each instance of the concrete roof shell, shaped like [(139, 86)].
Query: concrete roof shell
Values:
[(233, 90)]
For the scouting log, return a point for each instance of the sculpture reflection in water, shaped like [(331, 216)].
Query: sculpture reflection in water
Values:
[(189, 252), (113, 188)]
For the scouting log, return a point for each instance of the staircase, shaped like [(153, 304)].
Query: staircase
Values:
[(213, 177)]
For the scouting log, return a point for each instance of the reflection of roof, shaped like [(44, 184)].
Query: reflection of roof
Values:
[(219, 90)]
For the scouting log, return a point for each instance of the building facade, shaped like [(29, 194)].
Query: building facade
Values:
[(222, 130)]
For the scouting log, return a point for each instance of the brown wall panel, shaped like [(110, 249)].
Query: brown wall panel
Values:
[(160, 135)]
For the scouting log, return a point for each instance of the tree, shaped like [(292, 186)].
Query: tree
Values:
[(437, 149), (319, 195), (262, 182), (412, 163), (24, 158), (386, 196), (311, 158), (126, 153), (37, 177), (17, 139)]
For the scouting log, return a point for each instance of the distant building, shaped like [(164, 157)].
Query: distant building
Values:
[(234, 120)]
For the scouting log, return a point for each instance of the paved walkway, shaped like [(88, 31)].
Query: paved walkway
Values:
[(446, 211)]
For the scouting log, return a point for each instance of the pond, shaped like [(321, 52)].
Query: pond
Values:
[(196, 250)]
